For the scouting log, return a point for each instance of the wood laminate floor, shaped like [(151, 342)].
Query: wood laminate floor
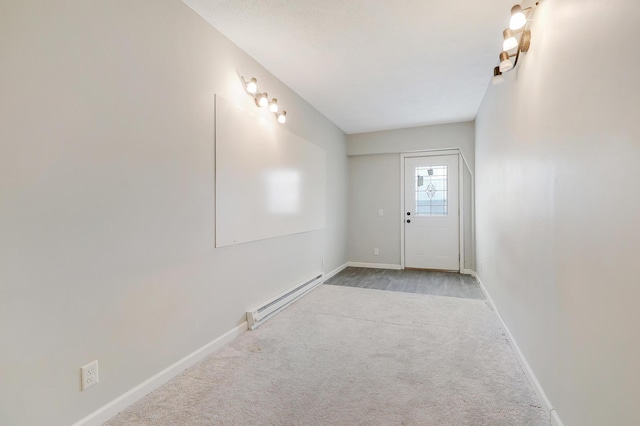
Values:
[(435, 283)]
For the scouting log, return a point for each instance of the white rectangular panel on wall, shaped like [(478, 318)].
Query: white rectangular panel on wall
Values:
[(269, 181)]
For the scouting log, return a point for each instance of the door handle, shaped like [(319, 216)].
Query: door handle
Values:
[(408, 213), (408, 220)]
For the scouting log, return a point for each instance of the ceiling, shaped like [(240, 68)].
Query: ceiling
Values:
[(372, 64)]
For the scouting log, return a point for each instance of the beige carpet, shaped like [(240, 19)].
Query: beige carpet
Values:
[(351, 356)]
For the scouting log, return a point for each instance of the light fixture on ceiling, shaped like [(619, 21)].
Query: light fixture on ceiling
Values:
[(517, 36), (262, 99)]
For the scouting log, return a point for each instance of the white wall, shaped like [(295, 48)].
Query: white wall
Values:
[(558, 203), (438, 136), (374, 184), (374, 173), (107, 199)]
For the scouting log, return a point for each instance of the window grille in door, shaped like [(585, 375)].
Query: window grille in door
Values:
[(431, 191)]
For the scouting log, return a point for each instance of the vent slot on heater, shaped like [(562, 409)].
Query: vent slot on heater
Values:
[(268, 309)]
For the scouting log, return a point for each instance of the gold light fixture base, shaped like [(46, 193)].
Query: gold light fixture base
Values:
[(525, 41), (519, 25)]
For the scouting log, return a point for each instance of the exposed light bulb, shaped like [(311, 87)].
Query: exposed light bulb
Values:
[(282, 117), (505, 62), (518, 19), (263, 100), (273, 105), (252, 86), (510, 41)]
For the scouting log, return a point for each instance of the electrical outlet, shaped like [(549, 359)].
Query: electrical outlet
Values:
[(376, 252), (380, 212), (89, 375), (323, 261)]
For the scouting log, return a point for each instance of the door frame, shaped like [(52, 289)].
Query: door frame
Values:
[(462, 162)]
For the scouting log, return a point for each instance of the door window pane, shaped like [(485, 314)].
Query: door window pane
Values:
[(431, 191)]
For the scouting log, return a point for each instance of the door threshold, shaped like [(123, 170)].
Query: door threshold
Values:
[(452, 271)]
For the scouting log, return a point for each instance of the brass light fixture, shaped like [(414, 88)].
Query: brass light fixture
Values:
[(505, 62), (273, 105), (252, 86), (518, 18), (510, 40), (262, 99), (497, 76), (517, 37)]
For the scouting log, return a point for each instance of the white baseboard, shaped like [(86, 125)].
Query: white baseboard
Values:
[(469, 272), (533, 380), (374, 265), (112, 408), (334, 272)]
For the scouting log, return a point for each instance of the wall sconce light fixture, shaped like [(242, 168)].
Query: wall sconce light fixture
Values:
[(252, 86), (510, 40), (497, 76), (262, 99), (505, 62), (518, 18), (517, 37), (273, 105)]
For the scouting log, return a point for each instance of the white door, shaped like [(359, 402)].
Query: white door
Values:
[(431, 217)]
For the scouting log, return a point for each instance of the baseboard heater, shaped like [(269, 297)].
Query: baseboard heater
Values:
[(262, 313)]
